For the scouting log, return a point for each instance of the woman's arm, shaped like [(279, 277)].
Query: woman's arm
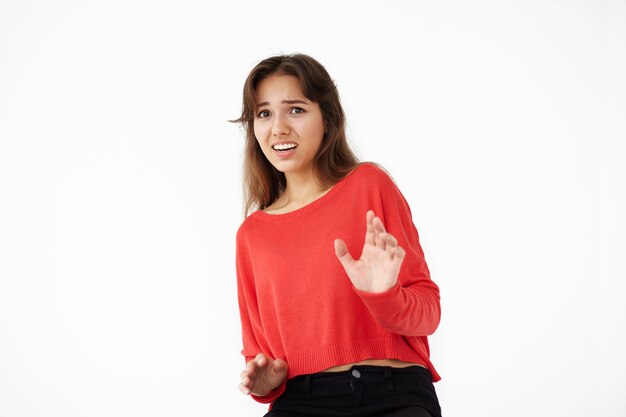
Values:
[(263, 378), (392, 277)]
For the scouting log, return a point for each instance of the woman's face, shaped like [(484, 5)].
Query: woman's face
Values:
[(288, 126)]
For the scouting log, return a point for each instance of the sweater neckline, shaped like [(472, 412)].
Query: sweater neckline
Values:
[(277, 218)]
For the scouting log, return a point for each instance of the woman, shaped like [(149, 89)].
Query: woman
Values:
[(325, 333)]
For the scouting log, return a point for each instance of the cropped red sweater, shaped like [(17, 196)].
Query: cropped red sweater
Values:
[(298, 304)]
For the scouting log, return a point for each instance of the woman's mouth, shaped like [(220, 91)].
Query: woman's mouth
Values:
[(284, 147)]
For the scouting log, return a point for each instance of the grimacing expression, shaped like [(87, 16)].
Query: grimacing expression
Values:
[(288, 126)]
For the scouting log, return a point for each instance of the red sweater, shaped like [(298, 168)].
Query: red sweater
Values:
[(298, 304)]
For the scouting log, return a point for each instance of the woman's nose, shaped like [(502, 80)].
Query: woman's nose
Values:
[(280, 127)]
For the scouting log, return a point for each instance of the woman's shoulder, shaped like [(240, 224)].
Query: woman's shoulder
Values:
[(372, 173), (246, 227), (375, 179)]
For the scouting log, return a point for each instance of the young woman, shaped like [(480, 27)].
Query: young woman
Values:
[(335, 296)]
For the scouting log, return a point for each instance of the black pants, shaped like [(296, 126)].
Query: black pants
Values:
[(362, 391)]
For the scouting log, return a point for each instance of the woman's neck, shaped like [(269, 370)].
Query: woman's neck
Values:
[(300, 191)]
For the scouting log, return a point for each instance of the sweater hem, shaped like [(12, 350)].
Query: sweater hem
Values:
[(393, 347)]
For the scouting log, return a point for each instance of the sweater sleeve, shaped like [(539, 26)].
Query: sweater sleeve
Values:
[(412, 306), (251, 326)]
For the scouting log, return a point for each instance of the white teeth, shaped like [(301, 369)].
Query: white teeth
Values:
[(285, 146)]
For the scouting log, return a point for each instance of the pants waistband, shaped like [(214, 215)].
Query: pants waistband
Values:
[(363, 374)]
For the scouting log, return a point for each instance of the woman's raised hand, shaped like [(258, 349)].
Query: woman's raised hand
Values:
[(379, 266), (262, 375)]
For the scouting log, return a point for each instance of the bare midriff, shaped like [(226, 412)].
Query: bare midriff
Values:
[(394, 363)]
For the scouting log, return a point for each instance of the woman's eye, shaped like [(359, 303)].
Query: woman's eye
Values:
[(296, 110), (263, 113)]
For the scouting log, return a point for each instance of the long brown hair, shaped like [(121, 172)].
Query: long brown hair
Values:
[(263, 183)]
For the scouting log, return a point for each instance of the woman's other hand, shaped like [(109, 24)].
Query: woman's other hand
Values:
[(262, 375), (379, 266)]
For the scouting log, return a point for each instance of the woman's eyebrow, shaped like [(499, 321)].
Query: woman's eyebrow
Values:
[(266, 103)]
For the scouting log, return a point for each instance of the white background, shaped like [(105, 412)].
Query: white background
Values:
[(501, 121)]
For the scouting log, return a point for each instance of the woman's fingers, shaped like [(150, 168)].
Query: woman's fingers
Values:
[(249, 374), (262, 374), (382, 239), (341, 251), (246, 379), (370, 233), (260, 359), (376, 229), (279, 367), (398, 253), (246, 384), (379, 227), (392, 245), (391, 241)]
